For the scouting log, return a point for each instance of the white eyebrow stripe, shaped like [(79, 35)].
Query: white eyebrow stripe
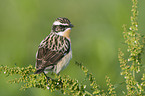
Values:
[(58, 23)]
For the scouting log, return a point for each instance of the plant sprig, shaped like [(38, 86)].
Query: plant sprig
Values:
[(132, 65)]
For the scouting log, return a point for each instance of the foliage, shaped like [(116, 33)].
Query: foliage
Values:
[(130, 67), (64, 83), (111, 88)]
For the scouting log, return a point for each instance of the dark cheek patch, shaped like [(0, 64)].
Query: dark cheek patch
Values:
[(58, 28), (62, 29)]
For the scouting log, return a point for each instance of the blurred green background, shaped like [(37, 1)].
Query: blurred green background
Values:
[(96, 37)]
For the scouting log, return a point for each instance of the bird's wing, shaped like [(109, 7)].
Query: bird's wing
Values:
[(47, 56)]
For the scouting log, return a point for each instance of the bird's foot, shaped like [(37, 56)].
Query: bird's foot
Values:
[(48, 78)]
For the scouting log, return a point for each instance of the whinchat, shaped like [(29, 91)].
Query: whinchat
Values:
[(54, 52)]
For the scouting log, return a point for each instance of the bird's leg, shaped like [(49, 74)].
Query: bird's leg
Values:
[(48, 78), (57, 74)]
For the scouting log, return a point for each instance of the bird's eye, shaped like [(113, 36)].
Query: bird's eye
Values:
[(61, 26)]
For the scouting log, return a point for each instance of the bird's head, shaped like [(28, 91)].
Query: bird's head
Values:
[(62, 26)]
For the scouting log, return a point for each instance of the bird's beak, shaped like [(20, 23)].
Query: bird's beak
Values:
[(71, 26)]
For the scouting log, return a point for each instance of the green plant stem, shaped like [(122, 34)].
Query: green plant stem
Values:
[(133, 71), (88, 93)]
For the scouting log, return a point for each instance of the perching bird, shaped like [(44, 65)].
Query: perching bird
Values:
[(54, 51)]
